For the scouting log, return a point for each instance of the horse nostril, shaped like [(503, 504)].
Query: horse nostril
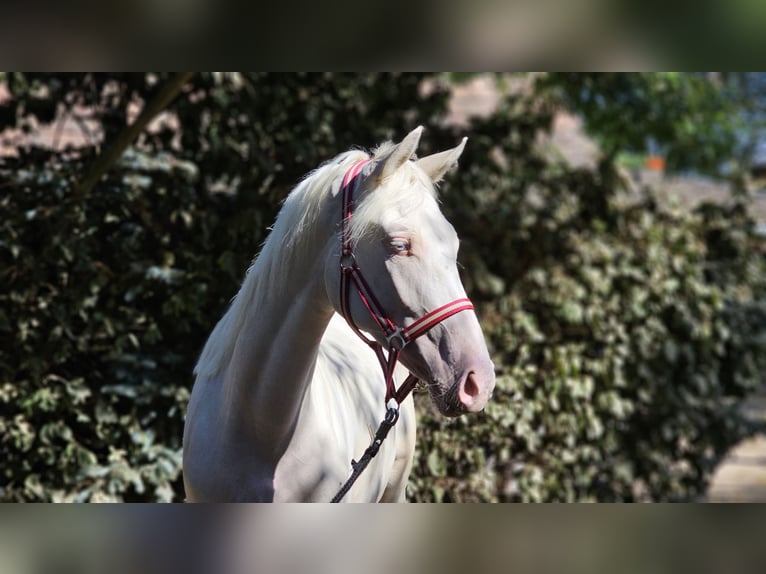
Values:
[(469, 391), (473, 391), (471, 387)]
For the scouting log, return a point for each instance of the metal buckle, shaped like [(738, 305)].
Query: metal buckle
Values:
[(392, 415), (347, 261), (396, 340)]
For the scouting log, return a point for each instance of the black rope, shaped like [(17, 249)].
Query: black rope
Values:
[(392, 415)]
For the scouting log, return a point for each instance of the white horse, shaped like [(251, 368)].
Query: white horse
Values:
[(286, 394)]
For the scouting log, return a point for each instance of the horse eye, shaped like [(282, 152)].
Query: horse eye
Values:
[(400, 245)]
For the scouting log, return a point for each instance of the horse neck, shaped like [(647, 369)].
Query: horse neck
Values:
[(273, 359)]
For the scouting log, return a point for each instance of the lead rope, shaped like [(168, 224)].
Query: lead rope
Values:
[(392, 416)]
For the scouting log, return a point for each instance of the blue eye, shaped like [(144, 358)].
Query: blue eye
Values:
[(400, 245)]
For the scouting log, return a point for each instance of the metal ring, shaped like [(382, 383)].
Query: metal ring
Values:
[(396, 340)]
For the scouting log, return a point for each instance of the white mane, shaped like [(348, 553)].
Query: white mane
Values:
[(293, 232)]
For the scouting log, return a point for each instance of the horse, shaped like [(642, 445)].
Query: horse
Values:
[(287, 390)]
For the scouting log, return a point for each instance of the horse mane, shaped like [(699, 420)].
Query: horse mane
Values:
[(292, 234)]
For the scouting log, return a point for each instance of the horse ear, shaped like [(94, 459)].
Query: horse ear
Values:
[(399, 155), (436, 165)]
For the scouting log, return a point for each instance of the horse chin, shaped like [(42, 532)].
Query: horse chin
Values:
[(444, 397), (446, 401)]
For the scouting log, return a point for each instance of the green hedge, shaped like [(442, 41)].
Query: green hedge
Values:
[(624, 334), (622, 366)]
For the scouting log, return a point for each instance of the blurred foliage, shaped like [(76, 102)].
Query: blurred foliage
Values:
[(625, 334), (690, 119)]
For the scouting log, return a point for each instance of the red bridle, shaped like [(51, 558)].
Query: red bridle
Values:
[(397, 337)]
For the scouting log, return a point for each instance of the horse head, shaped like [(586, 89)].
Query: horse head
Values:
[(407, 252)]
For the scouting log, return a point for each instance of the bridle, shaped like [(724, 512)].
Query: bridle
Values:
[(397, 337)]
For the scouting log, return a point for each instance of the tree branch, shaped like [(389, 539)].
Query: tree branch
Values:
[(166, 94)]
